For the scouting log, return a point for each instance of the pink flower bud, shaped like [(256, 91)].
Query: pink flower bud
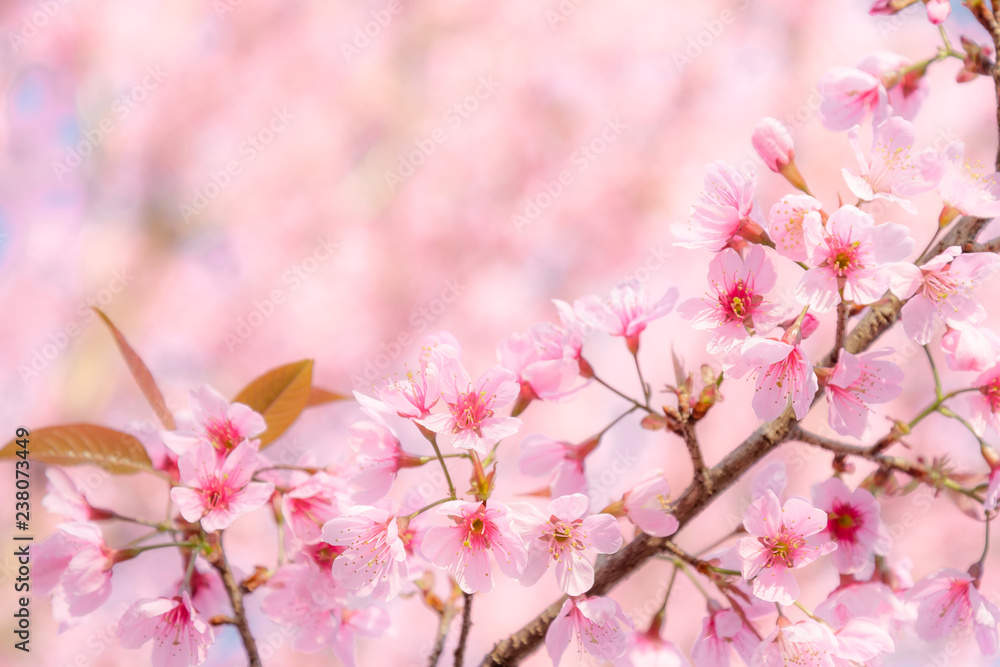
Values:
[(773, 144)]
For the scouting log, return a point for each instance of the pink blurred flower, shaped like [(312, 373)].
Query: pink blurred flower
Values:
[(307, 600), (411, 398), (985, 404), (651, 650), (856, 382), (853, 522), (906, 92), (892, 171), (374, 562), (648, 506), (992, 496), (810, 642), (940, 291), (783, 375), (471, 418), (306, 506), (735, 306), (545, 362), (378, 458), (541, 455), (353, 623), (463, 549), (784, 224), (938, 11), (871, 600), (970, 346), (852, 256), (208, 593), (563, 538), (180, 635), (773, 144), (217, 492), (600, 626), (626, 312), (75, 564), (948, 600), (779, 542), (723, 632), (223, 424), (967, 189), (847, 95), (62, 497), (723, 211)]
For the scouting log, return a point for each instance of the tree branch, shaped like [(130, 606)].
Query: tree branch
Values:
[(236, 600), (701, 471), (466, 624)]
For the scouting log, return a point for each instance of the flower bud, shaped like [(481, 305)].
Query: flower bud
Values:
[(773, 144)]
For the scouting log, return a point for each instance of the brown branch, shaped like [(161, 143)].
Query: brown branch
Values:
[(838, 342), (447, 613), (702, 473), (993, 245), (218, 560), (464, 634)]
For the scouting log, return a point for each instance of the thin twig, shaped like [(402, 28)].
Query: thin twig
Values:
[(702, 472), (236, 600), (464, 634), (841, 330), (445, 622)]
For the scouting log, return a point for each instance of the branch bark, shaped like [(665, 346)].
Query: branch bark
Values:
[(236, 600)]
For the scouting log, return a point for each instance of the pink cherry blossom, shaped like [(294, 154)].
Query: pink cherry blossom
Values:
[(784, 224), (948, 600), (374, 562), (723, 632), (541, 455), (62, 497), (852, 256), (970, 346), (781, 541), (725, 209), (872, 600), (773, 477), (847, 95), (773, 143), (856, 382), (599, 625), (985, 404), (563, 539), (353, 623), (627, 311), (940, 290), (306, 506), (652, 650), (410, 398), (472, 418), (938, 11), (223, 424), (810, 642), (892, 171), (463, 549), (217, 492), (545, 361), (968, 189), (307, 600), (378, 458), (648, 506), (906, 92), (782, 374), (853, 522), (75, 564), (992, 497), (735, 307), (180, 635)]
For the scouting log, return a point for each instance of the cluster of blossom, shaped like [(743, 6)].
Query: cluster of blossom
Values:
[(347, 543)]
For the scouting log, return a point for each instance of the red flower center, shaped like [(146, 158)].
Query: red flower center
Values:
[(470, 411)]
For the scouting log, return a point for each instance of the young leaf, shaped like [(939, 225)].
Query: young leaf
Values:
[(76, 444), (318, 396), (280, 395), (142, 376)]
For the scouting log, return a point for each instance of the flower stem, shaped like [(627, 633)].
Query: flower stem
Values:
[(432, 438), (615, 391), (236, 600)]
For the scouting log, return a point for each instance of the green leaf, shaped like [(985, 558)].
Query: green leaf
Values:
[(280, 395), (142, 376), (319, 396), (77, 444)]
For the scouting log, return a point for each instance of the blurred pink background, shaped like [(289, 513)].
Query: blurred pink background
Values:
[(243, 184)]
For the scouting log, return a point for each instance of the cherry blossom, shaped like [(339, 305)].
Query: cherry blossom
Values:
[(648, 506), (780, 542), (75, 564), (949, 600), (722, 633), (938, 11), (985, 403), (627, 311), (810, 642), (599, 625), (378, 458), (410, 398), (906, 85), (847, 95), (463, 549), (307, 600), (852, 257), (940, 290), (773, 144), (545, 362), (785, 220), (472, 419), (63, 497), (735, 306), (725, 210), (967, 189), (306, 506), (892, 171), (856, 382), (353, 623), (541, 455), (564, 538), (374, 562), (217, 492), (970, 346), (651, 650), (853, 522), (783, 375), (223, 424), (180, 635)]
